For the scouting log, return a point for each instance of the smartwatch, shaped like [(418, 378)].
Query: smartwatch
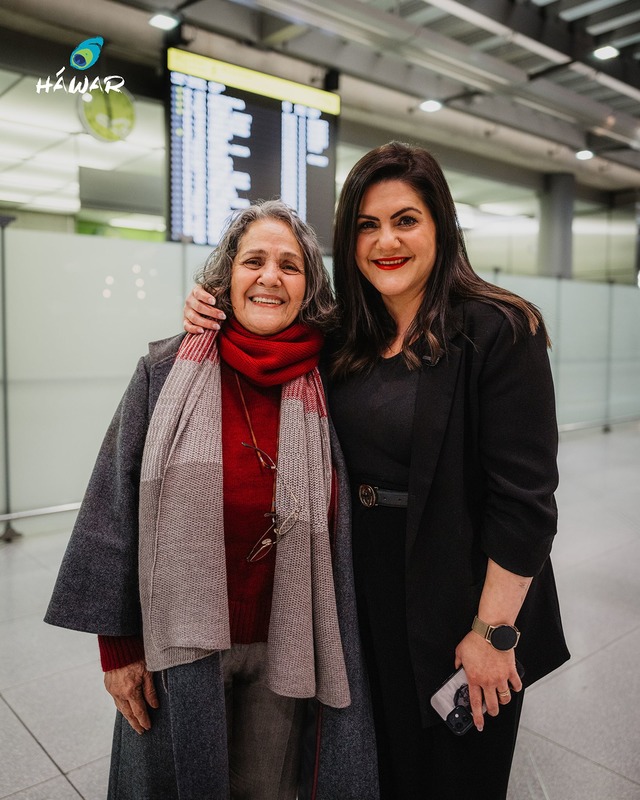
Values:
[(502, 637)]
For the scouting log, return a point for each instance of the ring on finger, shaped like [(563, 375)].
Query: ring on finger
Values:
[(504, 694)]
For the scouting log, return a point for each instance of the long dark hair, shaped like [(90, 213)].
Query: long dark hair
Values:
[(367, 327)]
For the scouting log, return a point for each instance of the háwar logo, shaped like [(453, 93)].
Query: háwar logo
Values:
[(84, 56), (86, 53)]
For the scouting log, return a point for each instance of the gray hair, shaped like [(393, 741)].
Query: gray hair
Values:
[(318, 307)]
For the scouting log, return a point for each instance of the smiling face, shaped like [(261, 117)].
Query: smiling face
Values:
[(396, 244), (267, 278)]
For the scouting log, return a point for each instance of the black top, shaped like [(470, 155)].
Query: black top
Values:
[(373, 416)]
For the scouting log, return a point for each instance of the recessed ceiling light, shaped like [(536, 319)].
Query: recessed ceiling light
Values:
[(584, 155), (165, 20), (143, 222), (606, 52), (430, 106)]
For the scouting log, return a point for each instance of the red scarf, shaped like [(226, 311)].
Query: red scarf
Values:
[(270, 360)]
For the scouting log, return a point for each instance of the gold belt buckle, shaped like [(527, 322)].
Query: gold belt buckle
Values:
[(367, 495)]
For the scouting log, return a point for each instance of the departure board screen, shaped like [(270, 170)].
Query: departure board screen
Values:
[(238, 136)]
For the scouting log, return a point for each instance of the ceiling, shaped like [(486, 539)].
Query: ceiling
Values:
[(518, 82), (45, 149), (521, 66)]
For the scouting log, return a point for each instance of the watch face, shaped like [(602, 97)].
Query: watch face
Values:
[(504, 637)]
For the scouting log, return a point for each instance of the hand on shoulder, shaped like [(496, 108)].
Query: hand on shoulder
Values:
[(200, 313)]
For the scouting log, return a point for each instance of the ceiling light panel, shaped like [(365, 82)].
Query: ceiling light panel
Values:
[(165, 21), (61, 169), (607, 52), (101, 155), (52, 111), (145, 222), (15, 179), (22, 141), (10, 197), (150, 164), (55, 203), (83, 150), (70, 190)]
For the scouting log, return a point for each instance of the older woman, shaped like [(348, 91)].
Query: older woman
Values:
[(443, 401), (203, 548)]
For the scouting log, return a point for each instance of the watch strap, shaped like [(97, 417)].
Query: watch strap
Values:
[(481, 628)]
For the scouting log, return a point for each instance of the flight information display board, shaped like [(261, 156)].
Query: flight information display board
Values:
[(237, 136)]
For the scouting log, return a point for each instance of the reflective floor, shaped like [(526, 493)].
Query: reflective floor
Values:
[(580, 735)]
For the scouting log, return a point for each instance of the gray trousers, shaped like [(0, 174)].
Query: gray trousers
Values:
[(264, 729), (185, 755)]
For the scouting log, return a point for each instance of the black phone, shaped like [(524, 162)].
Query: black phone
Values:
[(451, 701)]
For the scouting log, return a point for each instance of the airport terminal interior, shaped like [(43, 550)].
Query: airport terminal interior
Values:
[(114, 185)]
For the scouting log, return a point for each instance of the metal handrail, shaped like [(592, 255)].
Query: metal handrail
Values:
[(604, 425), (10, 533), (38, 512)]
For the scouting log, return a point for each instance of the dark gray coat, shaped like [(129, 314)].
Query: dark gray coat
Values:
[(184, 755)]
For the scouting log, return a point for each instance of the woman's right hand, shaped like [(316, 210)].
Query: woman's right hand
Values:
[(200, 312), (132, 689)]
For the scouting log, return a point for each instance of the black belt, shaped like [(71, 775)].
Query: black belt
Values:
[(371, 496)]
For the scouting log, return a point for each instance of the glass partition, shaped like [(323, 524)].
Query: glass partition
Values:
[(595, 355), (81, 310), (507, 243), (604, 245), (3, 498)]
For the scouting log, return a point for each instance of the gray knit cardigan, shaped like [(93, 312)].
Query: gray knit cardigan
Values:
[(184, 755)]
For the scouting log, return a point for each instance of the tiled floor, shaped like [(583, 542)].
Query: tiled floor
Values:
[(580, 736)]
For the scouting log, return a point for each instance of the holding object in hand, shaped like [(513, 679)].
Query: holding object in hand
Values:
[(453, 704)]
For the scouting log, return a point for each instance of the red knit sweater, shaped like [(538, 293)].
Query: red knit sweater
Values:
[(247, 492)]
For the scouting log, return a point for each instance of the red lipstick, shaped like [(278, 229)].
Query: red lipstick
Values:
[(390, 263)]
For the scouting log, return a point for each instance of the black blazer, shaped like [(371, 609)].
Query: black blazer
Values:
[(483, 473)]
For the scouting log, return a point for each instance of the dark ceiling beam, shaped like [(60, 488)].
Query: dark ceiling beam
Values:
[(526, 19), (572, 9), (602, 21), (627, 33), (392, 72), (543, 25), (381, 48), (382, 69), (234, 19), (275, 32)]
